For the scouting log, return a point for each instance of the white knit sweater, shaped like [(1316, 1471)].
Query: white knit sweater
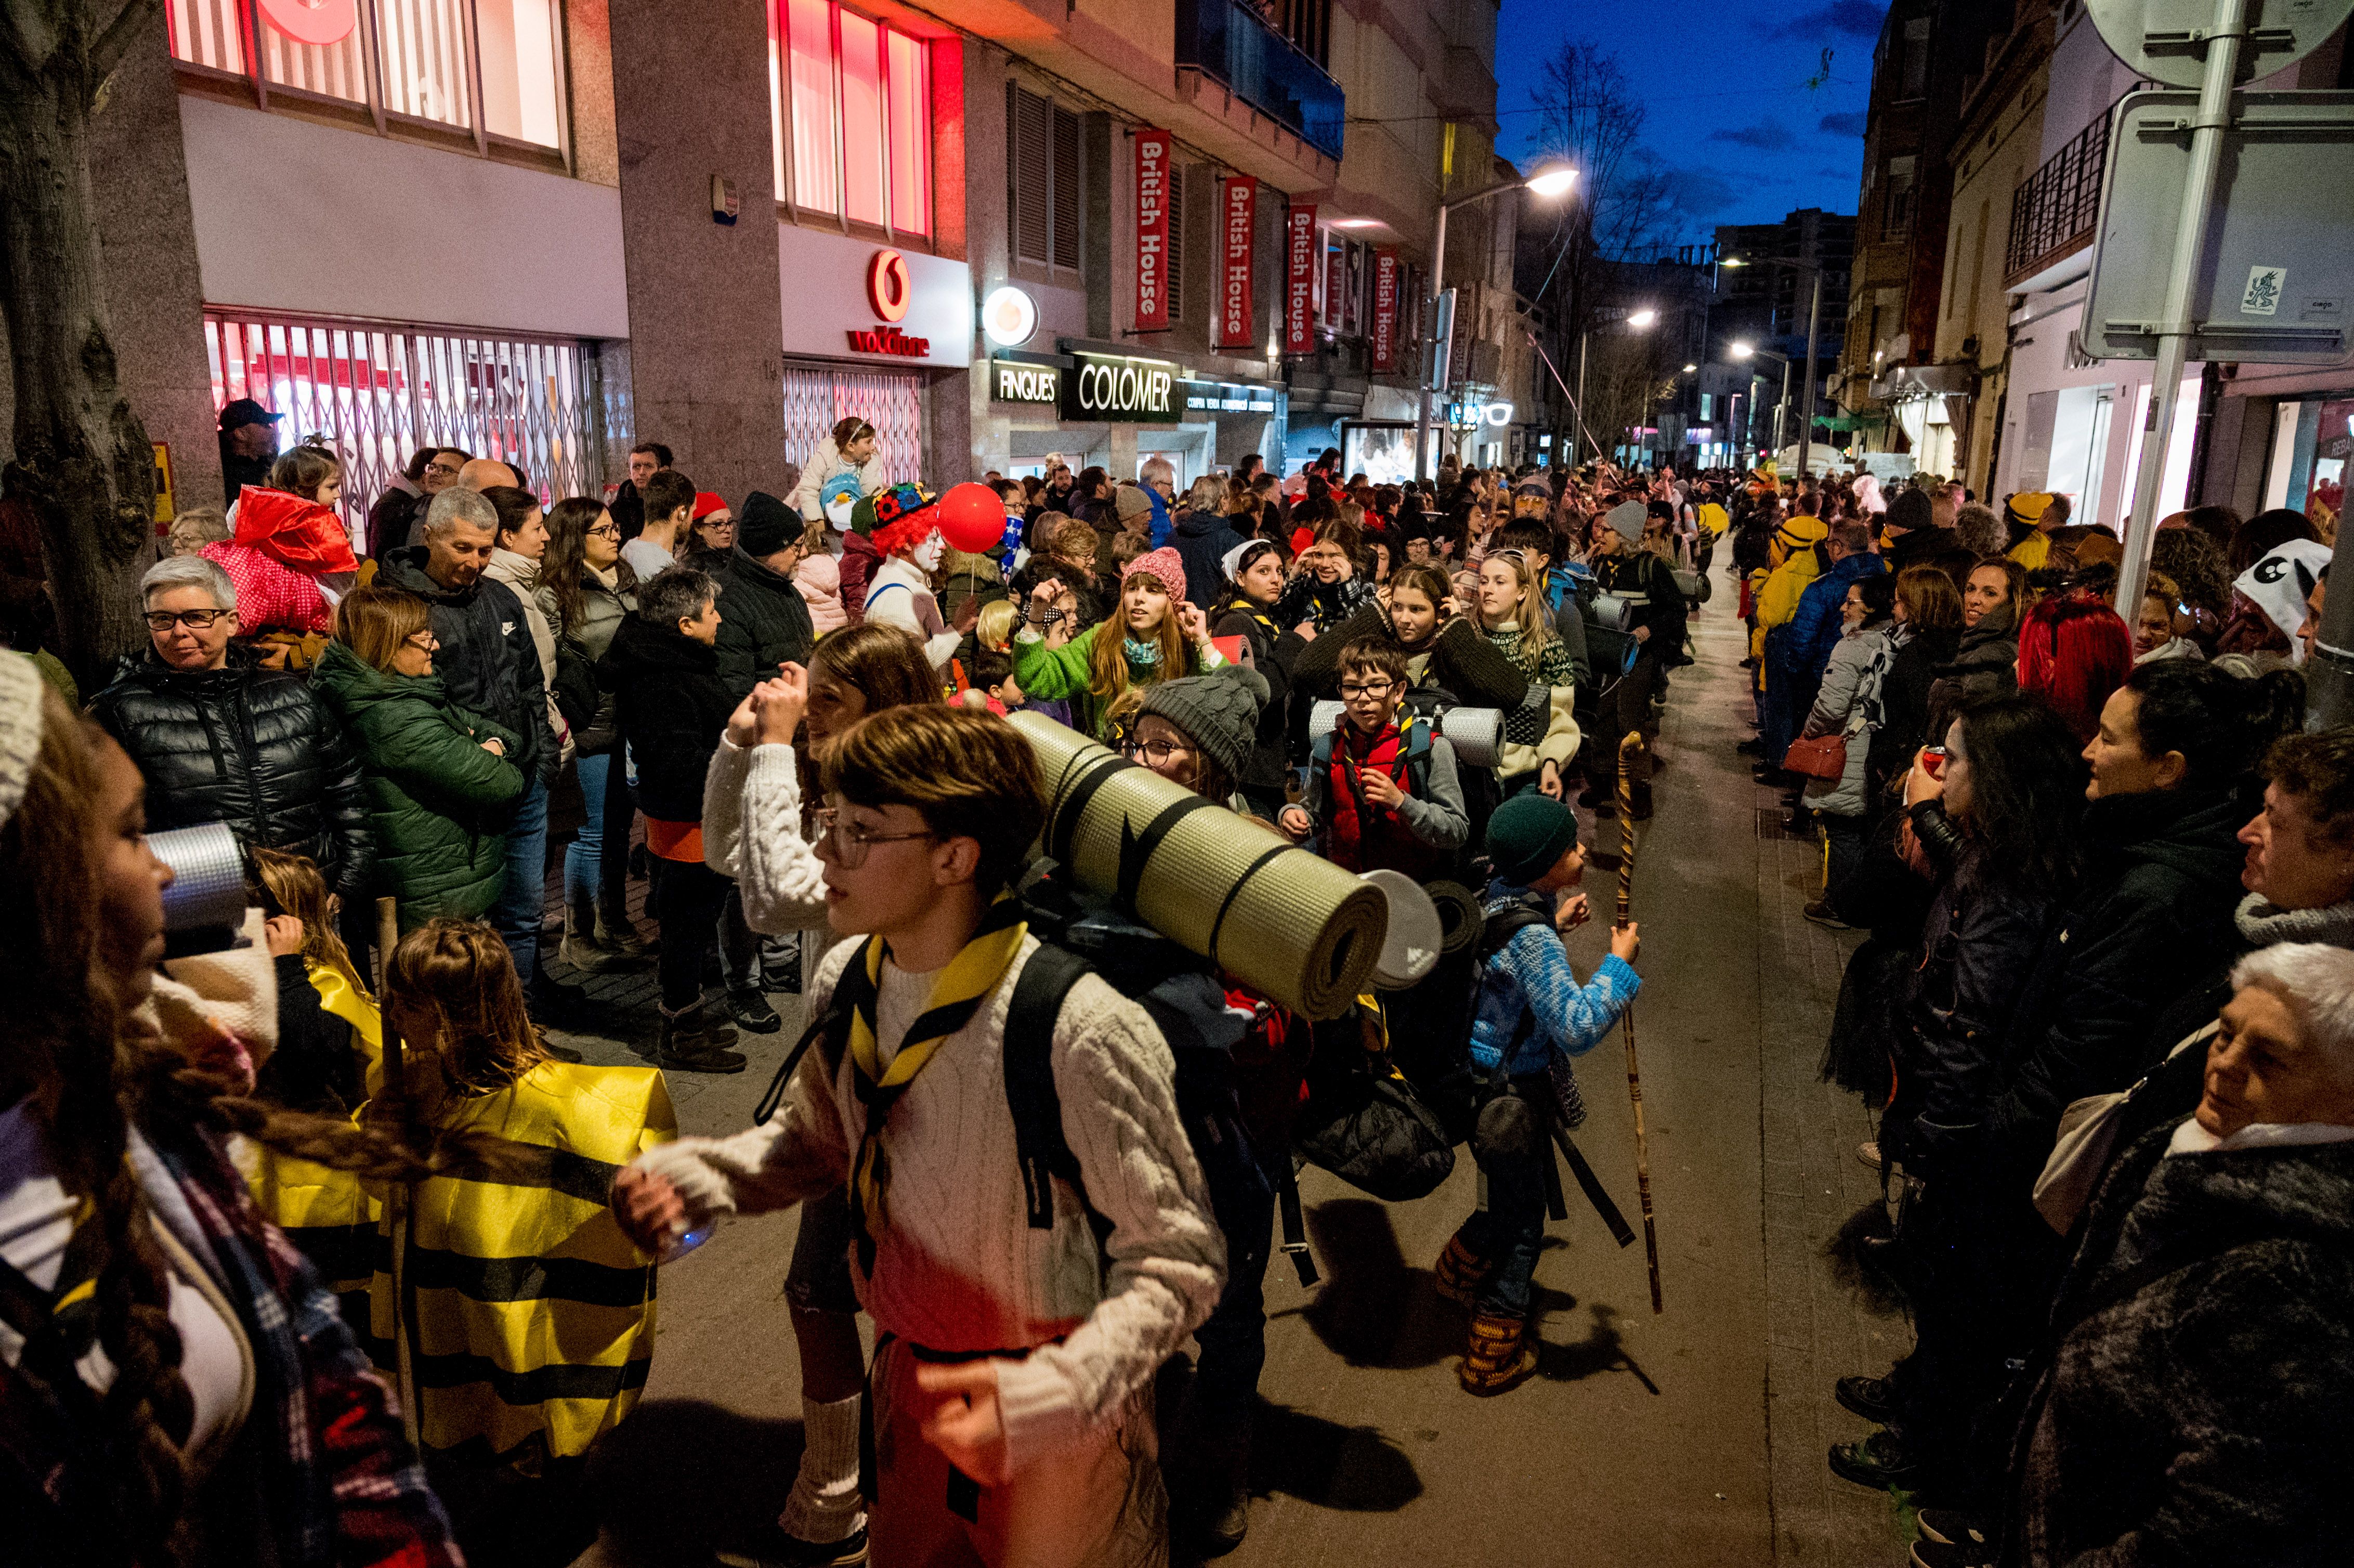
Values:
[(957, 1266), (752, 832)]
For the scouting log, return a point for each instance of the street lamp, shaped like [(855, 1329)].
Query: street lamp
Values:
[(1740, 350), (1644, 318), (1552, 181), (1814, 315)]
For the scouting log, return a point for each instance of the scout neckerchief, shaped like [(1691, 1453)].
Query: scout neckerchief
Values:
[(956, 994), (58, 1325)]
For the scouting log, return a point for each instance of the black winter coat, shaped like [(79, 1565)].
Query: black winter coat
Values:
[(674, 707), (1274, 654), (2198, 1403), (763, 622), (1463, 664), (487, 663), (1905, 707), (1203, 539), (1985, 665), (2161, 880), (247, 747)]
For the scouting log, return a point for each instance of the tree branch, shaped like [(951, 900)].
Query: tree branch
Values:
[(106, 51)]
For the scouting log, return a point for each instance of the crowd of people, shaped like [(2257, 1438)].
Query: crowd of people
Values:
[(2099, 1013), (318, 1247)]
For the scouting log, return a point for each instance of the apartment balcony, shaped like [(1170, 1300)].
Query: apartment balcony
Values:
[(2054, 212), (1226, 42)]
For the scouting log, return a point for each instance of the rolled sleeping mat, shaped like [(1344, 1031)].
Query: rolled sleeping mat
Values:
[(1459, 917), (1289, 924), (1476, 734), (1410, 947)]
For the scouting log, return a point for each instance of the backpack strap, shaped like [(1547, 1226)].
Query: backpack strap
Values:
[(1295, 1229), (1030, 1093), (831, 1026)]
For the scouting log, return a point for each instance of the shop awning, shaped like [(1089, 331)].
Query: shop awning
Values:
[(1905, 382), (1864, 421)]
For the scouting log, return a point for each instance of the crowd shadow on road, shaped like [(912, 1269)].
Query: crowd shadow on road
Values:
[(681, 1476)]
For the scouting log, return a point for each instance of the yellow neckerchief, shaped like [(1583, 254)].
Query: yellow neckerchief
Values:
[(958, 992)]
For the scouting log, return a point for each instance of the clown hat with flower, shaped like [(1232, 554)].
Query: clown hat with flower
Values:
[(896, 518)]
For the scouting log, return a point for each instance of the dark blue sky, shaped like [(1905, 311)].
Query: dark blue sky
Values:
[(1735, 106)]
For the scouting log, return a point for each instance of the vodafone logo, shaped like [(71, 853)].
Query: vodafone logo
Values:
[(888, 288), (312, 21)]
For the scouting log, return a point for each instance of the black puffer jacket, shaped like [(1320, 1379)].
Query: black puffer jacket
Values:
[(674, 708), (487, 662), (1203, 539), (2198, 1404), (247, 747), (1273, 652), (1985, 665), (2162, 877), (763, 622)]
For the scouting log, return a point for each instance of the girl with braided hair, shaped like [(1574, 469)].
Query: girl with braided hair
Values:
[(175, 1385)]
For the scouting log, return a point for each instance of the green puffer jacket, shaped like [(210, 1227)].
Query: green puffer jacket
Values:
[(437, 800)]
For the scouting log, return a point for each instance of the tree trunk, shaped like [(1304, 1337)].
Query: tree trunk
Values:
[(83, 466)]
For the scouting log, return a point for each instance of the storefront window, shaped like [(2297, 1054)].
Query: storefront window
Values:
[(376, 392), (818, 395), (858, 141), (425, 48)]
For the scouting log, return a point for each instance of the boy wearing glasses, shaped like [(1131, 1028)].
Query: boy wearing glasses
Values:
[(1013, 1366), (1381, 796)]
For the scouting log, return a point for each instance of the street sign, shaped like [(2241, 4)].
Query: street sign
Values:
[(2165, 40), (2276, 277)]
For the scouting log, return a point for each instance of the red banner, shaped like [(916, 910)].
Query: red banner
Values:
[(1238, 253), (1386, 312), (1300, 281), (1152, 149)]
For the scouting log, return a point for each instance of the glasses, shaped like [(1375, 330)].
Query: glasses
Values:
[(1351, 692), (424, 641), (848, 842), (198, 620), (447, 471), (1156, 752), (607, 530)]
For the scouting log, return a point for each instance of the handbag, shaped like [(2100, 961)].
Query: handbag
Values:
[(1817, 756), (2087, 1143), (1366, 1124)]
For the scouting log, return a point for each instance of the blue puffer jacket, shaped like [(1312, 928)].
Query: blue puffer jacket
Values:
[(1805, 643)]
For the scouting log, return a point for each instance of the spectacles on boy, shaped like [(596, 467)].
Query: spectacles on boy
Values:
[(1350, 691), (848, 842)]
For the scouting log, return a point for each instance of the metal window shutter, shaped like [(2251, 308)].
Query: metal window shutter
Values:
[(1176, 244), (1027, 175), (1067, 195)]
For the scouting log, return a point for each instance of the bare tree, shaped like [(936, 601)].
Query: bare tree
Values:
[(1627, 375), (83, 466)]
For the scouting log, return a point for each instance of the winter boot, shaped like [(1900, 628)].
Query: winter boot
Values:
[(582, 949), (1459, 1274), (1219, 1509), (616, 934), (1499, 1357), (692, 1042)]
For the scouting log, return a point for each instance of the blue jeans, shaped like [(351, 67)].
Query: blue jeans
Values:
[(522, 900), (584, 856), (1508, 1232)]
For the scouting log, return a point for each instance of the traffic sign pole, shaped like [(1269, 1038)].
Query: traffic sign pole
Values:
[(2223, 47)]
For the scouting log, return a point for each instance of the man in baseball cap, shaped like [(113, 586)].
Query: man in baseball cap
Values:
[(249, 441)]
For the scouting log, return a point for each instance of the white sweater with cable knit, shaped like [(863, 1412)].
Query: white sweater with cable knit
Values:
[(957, 1267), (752, 832)]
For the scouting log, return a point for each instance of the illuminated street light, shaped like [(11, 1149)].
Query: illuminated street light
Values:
[(1554, 181), (1643, 318), (1743, 349), (1689, 369)]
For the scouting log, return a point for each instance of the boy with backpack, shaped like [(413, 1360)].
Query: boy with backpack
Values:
[(1383, 796), (1529, 1015), (1024, 1305)]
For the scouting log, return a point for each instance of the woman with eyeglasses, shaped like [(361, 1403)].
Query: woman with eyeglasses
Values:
[(436, 778), (761, 823), (586, 590)]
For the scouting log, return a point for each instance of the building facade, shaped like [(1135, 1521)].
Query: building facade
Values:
[(996, 229)]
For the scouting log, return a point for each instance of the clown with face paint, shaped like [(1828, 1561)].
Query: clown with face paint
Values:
[(906, 532)]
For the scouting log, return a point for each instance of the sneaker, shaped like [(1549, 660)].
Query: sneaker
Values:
[(1953, 1554), (1879, 1462), (1819, 912), (1873, 1398), (1868, 1151), (770, 1547), (692, 1042), (751, 1011), (1950, 1527)]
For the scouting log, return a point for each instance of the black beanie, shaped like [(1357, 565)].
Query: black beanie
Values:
[(765, 526)]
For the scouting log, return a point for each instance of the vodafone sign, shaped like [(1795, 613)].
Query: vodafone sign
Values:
[(888, 288), (847, 299), (312, 21)]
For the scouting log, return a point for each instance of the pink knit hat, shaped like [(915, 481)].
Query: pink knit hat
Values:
[(1165, 563)]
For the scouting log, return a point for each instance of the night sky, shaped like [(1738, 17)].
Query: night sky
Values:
[(1732, 111)]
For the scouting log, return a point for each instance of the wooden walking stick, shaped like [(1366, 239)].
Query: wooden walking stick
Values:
[(1626, 748)]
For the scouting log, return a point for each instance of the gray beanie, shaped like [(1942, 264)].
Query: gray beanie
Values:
[(1218, 712), (1628, 517)]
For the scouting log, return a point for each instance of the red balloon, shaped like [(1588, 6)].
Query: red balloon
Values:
[(972, 517)]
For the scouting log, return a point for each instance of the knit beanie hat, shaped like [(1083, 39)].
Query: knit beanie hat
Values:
[(1910, 510), (2027, 507), (1627, 519), (20, 728), (1218, 712), (1527, 833), (766, 525), (1132, 503), (1165, 564), (707, 502)]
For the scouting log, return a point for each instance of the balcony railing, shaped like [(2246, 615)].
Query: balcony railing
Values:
[(2054, 209), (1228, 39)]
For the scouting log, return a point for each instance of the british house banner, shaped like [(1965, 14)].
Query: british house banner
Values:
[(1300, 281), (1386, 312), (1152, 149), (1237, 254)]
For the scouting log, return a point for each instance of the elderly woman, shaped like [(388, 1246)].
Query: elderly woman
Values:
[(2190, 1405)]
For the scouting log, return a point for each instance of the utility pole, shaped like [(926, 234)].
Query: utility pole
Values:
[(1806, 393)]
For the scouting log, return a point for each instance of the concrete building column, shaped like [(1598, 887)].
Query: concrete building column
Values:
[(706, 327)]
